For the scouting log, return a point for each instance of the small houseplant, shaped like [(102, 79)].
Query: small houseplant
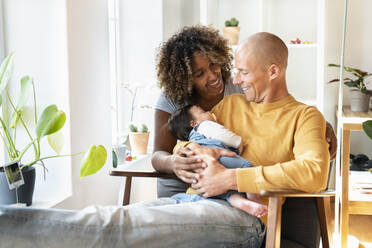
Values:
[(138, 138), (231, 31), (359, 93), (47, 125)]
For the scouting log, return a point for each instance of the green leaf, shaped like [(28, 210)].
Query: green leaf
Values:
[(94, 160), (351, 84), (333, 65), (114, 159), (56, 141), (26, 84), (6, 70), (334, 80), (51, 120), (144, 128), (355, 71), (367, 128), (133, 128)]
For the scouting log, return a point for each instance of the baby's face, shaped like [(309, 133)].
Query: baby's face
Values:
[(199, 115)]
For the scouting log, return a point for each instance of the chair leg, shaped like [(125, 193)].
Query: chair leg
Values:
[(274, 222), (324, 212)]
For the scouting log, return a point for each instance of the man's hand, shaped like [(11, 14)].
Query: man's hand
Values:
[(332, 140), (241, 148), (184, 163), (215, 180)]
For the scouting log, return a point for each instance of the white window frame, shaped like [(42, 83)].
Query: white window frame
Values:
[(2, 56)]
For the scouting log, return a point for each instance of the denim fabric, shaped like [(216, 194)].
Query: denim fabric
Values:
[(165, 222), (228, 162)]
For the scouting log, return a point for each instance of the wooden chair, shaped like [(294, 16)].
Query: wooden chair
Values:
[(273, 233)]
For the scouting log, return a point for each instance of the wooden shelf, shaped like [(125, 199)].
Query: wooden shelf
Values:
[(351, 201), (313, 45), (355, 117)]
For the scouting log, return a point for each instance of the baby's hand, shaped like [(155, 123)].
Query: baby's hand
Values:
[(240, 148)]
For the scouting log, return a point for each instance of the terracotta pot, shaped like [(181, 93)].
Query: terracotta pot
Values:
[(231, 34), (359, 101), (138, 143)]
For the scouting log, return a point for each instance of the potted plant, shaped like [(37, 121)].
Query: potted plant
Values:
[(231, 31), (138, 138), (359, 93), (47, 125), (122, 141)]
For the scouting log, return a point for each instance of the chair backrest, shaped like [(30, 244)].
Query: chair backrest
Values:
[(331, 182)]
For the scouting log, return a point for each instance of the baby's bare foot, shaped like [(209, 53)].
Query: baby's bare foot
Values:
[(248, 206)]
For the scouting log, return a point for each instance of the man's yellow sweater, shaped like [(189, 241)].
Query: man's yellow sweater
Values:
[(284, 140)]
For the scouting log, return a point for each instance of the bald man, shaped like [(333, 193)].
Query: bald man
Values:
[(284, 139)]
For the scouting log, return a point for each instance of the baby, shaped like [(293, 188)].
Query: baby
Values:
[(192, 123)]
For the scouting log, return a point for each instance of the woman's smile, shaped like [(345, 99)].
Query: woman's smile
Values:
[(216, 85)]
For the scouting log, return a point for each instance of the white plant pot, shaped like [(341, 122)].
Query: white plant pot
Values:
[(359, 101)]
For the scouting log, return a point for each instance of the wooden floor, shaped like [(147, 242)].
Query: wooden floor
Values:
[(361, 228)]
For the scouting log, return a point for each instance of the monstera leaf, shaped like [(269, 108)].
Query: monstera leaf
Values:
[(51, 120), (94, 160)]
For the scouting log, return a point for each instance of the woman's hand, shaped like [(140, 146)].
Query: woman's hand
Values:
[(184, 163), (206, 153), (332, 141)]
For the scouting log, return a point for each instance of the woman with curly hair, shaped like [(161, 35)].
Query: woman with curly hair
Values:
[(194, 66)]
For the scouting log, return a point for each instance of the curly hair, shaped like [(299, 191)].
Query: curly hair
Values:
[(175, 57), (179, 123)]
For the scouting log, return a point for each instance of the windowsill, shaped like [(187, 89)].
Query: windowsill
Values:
[(142, 163), (40, 203)]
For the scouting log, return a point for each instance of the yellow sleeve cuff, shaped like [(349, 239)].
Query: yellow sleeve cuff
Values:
[(247, 179), (180, 144)]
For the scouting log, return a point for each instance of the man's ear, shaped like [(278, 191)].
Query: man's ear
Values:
[(274, 71)]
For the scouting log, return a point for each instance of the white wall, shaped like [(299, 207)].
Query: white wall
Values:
[(140, 33), (89, 88)]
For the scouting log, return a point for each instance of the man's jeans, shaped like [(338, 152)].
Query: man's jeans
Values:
[(165, 222)]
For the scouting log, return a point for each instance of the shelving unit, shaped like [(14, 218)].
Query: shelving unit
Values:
[(351, 201), (287, 19)]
